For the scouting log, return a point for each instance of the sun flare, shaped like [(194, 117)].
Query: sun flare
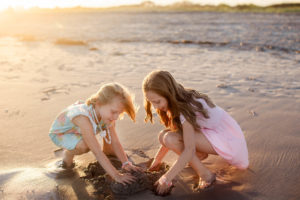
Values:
[(25, 4)]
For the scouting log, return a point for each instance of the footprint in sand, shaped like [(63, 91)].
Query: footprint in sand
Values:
[(12, 113), (80, 84), (45, 98), (251, 90), (12, 77), (40, 80), (140, 153), (48, 92), (252, 113), (222, 85), (117, 53), (251, 78), (64, 68), (227, 88), (93, 49)]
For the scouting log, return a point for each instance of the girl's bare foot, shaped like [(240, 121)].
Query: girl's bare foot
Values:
[(205, 183), (67, 161), (59, 169), (65, 165)]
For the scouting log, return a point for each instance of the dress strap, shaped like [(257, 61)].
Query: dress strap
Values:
[(104, 131), (107, 140), (95, 116)]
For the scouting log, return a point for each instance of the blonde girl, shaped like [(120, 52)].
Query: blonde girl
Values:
[(195, 127), (75, 128)]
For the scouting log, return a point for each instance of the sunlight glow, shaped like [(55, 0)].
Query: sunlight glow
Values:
[(25, 4)]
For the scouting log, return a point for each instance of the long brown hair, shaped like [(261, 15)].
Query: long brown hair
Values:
[(180, 100)]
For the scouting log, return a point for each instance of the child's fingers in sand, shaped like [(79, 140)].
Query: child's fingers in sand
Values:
[(128, 178), (154, 167), (125, 179), (161, 189), (132, 167)]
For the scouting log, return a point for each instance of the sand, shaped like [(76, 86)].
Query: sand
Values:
[(38, 78), (270, 125), (106, 187)]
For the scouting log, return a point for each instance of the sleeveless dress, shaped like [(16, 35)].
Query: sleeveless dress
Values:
[(65, 134), (224, 134)]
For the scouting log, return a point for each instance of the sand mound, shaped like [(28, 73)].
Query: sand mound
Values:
[(105, 187)]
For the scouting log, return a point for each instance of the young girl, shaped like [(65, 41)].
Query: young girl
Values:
[(75, 128), (195, 126)]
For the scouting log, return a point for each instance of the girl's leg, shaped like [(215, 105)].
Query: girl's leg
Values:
[(203, 145), (161, 136), (80, 148), (199, 152), (201, 155), (174, 142)]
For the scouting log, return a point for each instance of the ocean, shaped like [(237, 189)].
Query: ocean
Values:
[(248, 63), (182, 39)]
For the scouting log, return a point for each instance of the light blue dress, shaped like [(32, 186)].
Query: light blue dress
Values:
[(65, 134)]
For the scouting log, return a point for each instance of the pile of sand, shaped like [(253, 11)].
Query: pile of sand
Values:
[(107, 188)]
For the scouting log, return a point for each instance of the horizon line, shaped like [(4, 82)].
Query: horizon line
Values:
[(149, 4)]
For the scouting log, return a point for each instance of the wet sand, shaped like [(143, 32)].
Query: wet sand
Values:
[(41, 75), (273, 170), (105, 187)]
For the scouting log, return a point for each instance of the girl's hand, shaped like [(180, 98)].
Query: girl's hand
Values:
[(162, 186), (130, 167), (154, 166), (124, 178)]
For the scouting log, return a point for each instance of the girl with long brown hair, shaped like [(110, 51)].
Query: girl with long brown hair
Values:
[(195, 127)]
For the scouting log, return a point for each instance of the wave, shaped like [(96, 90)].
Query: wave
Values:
[(240, 45), (65, 41), (209, 43), (230, 44), (26, 38)]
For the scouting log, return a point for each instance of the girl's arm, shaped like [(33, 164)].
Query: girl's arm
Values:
[(119, 151), (90, 139), (158, 158), (116, 145), (187, 153), (161, 153)]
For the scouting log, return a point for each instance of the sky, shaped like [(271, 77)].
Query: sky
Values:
[(4, 4)]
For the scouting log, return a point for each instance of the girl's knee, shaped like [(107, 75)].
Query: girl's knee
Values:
[(172, 140), (161, 136), (81, 147)]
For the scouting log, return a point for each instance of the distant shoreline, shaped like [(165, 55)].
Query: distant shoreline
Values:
[(177, 7)]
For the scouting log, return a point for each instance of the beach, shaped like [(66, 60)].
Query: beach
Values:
[(248, 63)]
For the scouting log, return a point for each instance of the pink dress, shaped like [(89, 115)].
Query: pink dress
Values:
[(224, 134)]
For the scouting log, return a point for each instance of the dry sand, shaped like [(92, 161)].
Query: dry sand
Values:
[(38, 80)]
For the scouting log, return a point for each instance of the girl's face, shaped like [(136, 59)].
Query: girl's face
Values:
[(159, 102), (111, 111)]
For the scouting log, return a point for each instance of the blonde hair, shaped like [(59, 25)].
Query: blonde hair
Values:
[(111, 90), (180, 100)]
